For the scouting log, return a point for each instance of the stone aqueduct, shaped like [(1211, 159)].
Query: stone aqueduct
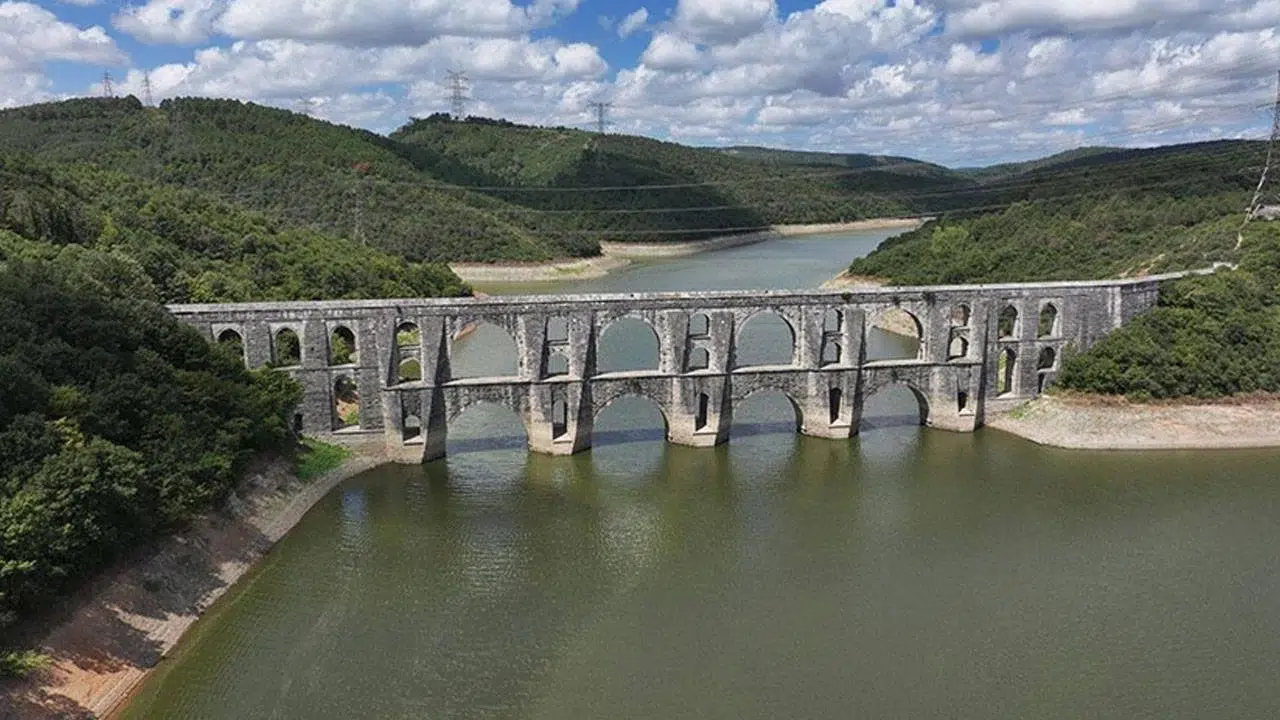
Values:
[(982, 348)]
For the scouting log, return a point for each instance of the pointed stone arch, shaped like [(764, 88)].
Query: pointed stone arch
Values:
[(615, 334), (756, 352), (466, 357)]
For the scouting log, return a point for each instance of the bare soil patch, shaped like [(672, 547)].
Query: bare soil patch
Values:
[(1091, 422)]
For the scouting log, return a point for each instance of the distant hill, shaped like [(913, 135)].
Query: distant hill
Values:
[(490, 190), (903, 165), (443, 190), (992, 172)]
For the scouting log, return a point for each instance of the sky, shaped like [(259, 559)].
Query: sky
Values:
[(959, 82)]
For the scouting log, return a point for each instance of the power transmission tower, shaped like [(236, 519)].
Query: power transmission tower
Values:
[(1259, 193), (602, 115), (146, 89), (108, 90), (458, 94)]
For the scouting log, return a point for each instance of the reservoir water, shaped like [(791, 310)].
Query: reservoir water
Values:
[(907, 573)]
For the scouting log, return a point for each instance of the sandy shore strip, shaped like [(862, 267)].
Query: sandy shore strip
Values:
[(582, 269), (130, 617), (1104, 423), (617, 255), (855, 226)]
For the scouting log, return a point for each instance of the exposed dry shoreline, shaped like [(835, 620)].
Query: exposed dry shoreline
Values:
[(130, 617), (1104, 423), (617, 255)]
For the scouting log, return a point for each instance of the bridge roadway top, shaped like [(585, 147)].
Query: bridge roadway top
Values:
[(674, 300)]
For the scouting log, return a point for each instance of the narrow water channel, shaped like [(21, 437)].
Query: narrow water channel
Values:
[(906, 573)]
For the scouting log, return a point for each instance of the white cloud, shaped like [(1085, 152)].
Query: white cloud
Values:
[(964, 60), (669, 52), (182, 22), (31, 36), (633, 22), (719, 22), (382, 23)]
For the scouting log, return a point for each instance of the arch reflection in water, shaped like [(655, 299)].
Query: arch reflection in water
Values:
[(766, 338), (628, 440), (487, 427), (628, 344), (484, 350)]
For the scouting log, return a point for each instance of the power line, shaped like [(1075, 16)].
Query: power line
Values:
[(1256, 203), (458, 94)]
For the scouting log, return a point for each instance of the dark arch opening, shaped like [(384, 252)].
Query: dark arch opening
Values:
[(767, 411), (483, 349), (897, 404), (699, 359), (346, 403), (704, 411), (765, 339), (627, 345), (342, 346), (629, 418), (835, 397), (559, 418), (896, 334), (700, 326), (1006, 372), (408, 352), (1048, 358), (959, 348), (410, 417), (232, 342), (1048, 321), (286, 349), (1008, 322), (960, 315)]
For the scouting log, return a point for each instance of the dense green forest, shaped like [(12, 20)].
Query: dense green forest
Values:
[(1098, 215), (173, 245), (117, 423), (1209, 336)]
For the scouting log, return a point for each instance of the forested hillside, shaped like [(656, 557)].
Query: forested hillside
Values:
[(117, 423), (172, 245)]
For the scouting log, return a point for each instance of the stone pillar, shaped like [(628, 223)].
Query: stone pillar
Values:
[(257, 343), (831, 408), (435, 425), (700, 411), (560, 418), (946, 384), (672, 327)]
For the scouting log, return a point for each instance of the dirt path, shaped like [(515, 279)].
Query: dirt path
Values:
[(1093, 423), (119, 626)]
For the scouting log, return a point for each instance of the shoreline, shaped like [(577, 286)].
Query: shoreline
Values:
[(1102, 423), (124, 622), (617, 255)]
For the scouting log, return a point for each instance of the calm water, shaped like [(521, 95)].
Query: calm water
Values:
[(907, 573)]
